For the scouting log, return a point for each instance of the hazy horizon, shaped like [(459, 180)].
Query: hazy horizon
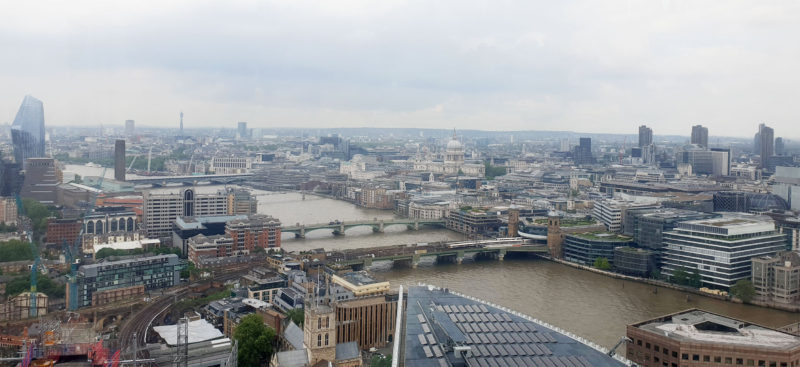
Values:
[(584, 67)]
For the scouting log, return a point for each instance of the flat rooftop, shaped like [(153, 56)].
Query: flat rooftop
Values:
[(731, 224), (699, 326), (437, 323)]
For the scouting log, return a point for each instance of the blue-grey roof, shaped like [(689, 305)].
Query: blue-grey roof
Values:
[(294, 335), (437, 322), (293, 358), (345, 351)]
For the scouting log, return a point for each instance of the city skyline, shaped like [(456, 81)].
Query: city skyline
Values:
[(510, 66)]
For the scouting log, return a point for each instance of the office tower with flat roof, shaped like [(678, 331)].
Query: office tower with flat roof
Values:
[(241, 130), (645, 136), (780, 147), (720, 249), (27, 131), (42, 178), (767, 145), (130, 127), (583, 152), (119, 160), (700, 135)]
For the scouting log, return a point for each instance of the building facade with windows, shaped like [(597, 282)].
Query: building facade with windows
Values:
[(776, 279), (720, 249), (701, 338), (97, 283)]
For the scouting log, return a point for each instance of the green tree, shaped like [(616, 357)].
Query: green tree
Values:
[(602, 263), (655, 274), (38, 213), (493, 171), (297, 315), (695, 280), (680, 276), (744, 290), (255, 341), (15, 250), (381, 361)]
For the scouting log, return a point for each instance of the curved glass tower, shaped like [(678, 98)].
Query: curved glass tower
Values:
[(27, 131)]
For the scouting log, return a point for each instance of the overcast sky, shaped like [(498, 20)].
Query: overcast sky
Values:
[(589, 66)]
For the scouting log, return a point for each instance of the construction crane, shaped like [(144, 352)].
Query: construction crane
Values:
[(33, 312), (70, 252), (132, 162)]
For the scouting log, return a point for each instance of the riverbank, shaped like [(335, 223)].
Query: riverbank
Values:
[(663, 284)]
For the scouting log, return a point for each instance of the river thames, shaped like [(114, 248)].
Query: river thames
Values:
[(588, 304)]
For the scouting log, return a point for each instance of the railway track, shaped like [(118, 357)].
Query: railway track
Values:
[(141, 321)]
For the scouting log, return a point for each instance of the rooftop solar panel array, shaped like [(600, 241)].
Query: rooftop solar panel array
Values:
[(440, 325), (496, 339)]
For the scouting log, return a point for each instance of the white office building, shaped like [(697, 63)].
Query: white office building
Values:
[(720, 249)]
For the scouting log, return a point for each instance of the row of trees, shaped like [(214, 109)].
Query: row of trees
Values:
[(743, 289)]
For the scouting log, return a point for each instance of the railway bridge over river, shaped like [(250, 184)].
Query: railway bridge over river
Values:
[(444, 252)]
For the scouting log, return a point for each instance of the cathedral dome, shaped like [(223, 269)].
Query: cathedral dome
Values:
[(454, 144)]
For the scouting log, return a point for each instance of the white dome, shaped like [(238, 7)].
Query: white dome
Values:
[(454, 144)]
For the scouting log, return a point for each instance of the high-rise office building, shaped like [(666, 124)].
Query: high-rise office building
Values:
[(241, 131), (780, 147), (767, 144), (130, 127), (583, 152), (27, 131), (757, 140), (119, 160), (700, 135), (645, 136), (42, 178)]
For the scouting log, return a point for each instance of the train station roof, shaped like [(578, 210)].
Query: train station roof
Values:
[(445, 329)]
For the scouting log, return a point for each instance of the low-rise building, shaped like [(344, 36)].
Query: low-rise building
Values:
[(635, 261), (585, 248), (472, 222), (776, 278), (701, 338), (93, 282)]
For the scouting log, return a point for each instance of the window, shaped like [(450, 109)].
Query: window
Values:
[(319, 323), (739, 361), (319, 340), (674, 354), (656, 348), (639, 342), (327, 321), (751, 362), (685, 356), (326, 339), (695, 357), (706, 358), (717, 359), (728, 360), (647, 345), (666, 351)]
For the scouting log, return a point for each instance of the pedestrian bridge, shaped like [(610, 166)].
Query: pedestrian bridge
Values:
[(193, 180), (444, 252), (339, 228)]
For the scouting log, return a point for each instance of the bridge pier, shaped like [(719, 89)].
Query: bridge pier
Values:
[(460, 257), (416, 225), (501, 254), (302, 233), (414, 261), (379, 228)]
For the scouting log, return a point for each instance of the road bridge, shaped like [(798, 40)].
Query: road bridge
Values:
[(338, 227), (446, 252)]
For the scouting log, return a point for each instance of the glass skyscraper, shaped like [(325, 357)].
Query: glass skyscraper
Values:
[(27, 131)]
